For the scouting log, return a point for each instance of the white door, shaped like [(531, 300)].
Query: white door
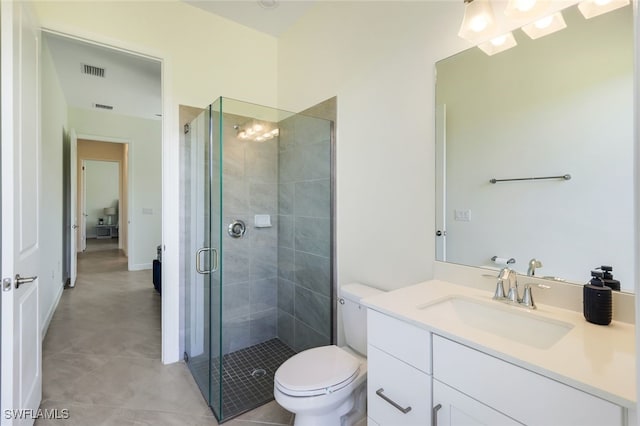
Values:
[(21, 348), (73, 164)]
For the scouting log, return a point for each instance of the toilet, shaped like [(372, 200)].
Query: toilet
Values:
[(327, 386)]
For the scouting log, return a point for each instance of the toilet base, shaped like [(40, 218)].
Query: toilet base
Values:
[(333, 417), (348, 412)]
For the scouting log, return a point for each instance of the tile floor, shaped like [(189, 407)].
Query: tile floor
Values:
[(101, 356)]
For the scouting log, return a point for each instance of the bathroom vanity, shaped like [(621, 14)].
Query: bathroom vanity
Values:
[(445, 354)]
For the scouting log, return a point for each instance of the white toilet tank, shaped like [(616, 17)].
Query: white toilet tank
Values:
[(354, 315)]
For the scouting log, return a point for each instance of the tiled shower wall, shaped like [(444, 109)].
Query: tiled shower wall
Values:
[(304, 233), (276, 282), (249, 264)]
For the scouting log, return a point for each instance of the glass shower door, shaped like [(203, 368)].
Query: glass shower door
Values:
[(270, 294), (202, 289)]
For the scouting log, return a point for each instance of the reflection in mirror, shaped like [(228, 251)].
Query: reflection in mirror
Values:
[(561, 104)]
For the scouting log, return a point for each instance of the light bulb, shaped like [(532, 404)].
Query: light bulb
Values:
[(592, 8), (250, 131), (498, 44), (242, 135), (544, 22), (478, 24), (545, 26), (478, 21), (267, 136), (499, 41), (525, 5), (259, 139), (275, 132), (257, 127)]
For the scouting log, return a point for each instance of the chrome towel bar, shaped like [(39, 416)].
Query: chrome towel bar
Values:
[(564, 177)]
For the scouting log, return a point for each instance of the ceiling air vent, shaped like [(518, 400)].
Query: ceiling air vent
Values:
[(94, 71), (102, 106)]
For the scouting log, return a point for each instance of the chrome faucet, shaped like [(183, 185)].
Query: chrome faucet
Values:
[(509, 275), (513, 295), (533, 264)]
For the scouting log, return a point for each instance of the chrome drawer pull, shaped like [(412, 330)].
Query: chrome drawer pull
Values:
[(380, 393)]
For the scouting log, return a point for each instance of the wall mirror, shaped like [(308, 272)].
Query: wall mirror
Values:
[(558, 105)]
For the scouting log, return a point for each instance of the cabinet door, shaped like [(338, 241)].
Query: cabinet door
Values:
[(517, 392), (452, 408)]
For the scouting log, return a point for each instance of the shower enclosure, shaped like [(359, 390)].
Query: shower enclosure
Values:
[(257, 247)]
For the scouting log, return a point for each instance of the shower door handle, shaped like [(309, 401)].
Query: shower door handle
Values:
[(214, 261)]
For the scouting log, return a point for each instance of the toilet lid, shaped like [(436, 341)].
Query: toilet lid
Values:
[(317, 371)]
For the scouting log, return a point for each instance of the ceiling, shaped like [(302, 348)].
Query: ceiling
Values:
[(131, 83), (268, 16)]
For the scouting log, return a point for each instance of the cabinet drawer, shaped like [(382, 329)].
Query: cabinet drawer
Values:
[(402, 384), (519, 393), (404, 341)]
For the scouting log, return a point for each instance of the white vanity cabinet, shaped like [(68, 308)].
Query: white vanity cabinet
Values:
[(419, 378), (398, 372)]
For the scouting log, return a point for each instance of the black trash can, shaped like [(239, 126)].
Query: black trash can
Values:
[(157, 271)]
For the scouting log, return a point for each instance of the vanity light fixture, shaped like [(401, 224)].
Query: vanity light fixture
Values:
[(591, 8), (478, 22), (525, 9), (498, 44), (545, 26)]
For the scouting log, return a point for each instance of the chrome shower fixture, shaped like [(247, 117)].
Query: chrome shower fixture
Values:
[(256, 131)]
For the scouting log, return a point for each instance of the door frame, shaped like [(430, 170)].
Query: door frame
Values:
[(128, 184), (120, 189), (170, 180)]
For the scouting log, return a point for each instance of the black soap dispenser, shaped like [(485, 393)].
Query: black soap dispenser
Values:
[(597, 300), (608, 278)]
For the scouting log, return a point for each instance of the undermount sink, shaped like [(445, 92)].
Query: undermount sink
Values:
[(500, 319)]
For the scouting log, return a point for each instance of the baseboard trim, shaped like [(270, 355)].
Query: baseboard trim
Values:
[(52, 310), (140, 266)]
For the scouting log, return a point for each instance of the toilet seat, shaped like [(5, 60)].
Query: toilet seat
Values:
[(317, 371)]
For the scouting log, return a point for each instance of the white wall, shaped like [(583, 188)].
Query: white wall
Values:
[(378, 58), (145, 155), (54, 128), (560, 104), (204, 56), (102, 189)]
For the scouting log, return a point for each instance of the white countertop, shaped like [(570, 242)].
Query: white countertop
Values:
[(597, 359)]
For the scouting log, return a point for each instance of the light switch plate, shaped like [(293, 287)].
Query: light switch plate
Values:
[(462, 215)]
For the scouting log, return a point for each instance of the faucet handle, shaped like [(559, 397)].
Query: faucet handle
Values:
[(527, 297), (499, 294)]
